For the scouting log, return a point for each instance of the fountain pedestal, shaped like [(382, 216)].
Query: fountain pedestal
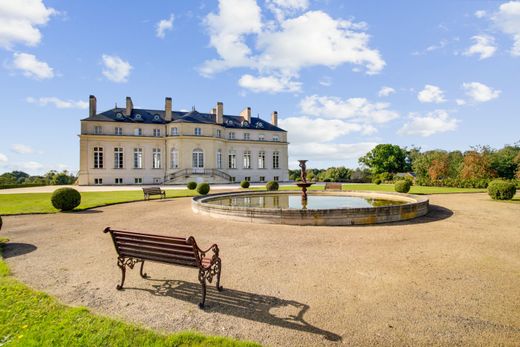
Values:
[(304, 184)]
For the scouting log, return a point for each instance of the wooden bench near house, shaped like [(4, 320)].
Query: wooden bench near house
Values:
[(133, 248), (153, 191), (333, 186)]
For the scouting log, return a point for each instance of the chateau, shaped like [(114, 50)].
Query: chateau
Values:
[(141, 146)]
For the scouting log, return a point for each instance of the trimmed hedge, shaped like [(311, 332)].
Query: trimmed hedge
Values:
[(9, 186), (501, 190), (272, 185), (244, 184), (377, 181), (203, 188), (192, 185), (403, 186), (66, 199)]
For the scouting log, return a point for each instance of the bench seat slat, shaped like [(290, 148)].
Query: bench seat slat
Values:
[(121, 232), (160, 258), (183, 247), (162, 251), (154, 246), (139, 238)]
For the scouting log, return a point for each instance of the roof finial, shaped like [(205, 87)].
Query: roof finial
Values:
[(193, 108), (115, 105)]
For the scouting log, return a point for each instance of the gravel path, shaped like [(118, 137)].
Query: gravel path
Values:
[(449, 278)]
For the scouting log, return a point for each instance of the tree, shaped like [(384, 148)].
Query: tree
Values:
[(503, 161), (336, 174), (476, 165), (386, 158), (439, 168)]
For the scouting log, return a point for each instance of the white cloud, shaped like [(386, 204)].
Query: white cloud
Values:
[(327, 153), (483, 45), (508, 20), (355, 109), (386, 91), (57, 102), (479, 92), (19, 21), (270, 84), (325, 81), (282, 8), (32, 67), (283, 48), (116, 69), (30, 165), (163, 25), (3, 158), (21, 149), (431, 93), (460, 102), (438, 121), (480, 14)]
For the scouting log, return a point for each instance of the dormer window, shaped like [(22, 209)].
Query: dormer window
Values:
[(119, 115), (259, 125), (138, 117), (156, 118), (245, 124), (229, 122), (198, 131)]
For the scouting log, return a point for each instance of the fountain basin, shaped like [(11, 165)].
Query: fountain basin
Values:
[(323, 208)]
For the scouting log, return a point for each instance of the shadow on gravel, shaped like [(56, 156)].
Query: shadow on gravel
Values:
[(13, 249), (261, 308), (435, 213)]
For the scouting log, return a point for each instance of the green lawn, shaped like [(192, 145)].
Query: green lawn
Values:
[(41, 202), (31, 318)]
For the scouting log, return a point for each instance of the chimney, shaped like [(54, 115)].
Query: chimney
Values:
[(92, 105), (246, 113), (168, 109), (213, 110), (220, 113), (129, 106), (274, 118)]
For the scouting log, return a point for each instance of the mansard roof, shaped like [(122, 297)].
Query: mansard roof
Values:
[(157, 117)]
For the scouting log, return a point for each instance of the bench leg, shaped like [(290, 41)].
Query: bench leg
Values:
[(218, 269), (202, 280), (122, 266), (143, 275)]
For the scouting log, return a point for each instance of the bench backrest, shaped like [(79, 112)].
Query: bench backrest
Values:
[(152, 190), (332, 185), (163, 249)]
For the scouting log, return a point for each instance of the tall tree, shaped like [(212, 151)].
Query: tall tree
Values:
[(385, 158)]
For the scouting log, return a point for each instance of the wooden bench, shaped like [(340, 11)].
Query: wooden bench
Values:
[(332, 186), (133, 248), (153, 191)]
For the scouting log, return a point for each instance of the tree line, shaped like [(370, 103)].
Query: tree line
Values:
[(21, 178)]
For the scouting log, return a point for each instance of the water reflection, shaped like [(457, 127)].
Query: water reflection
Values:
[(295, 201)]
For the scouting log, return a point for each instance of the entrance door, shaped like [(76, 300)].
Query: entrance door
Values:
[(198, 161)]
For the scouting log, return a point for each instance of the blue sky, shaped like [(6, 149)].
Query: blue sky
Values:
[(343, 75)]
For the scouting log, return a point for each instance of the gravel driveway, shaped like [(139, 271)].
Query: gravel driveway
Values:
[(449, 278)]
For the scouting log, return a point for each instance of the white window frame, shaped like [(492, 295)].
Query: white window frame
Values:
[(138, 158), (156, 158), (197, 131), (98, 181), (98, 130), (118, 158), (118, 131), (219, 133), (138, 132), (219, 159), (247, 136), (232, 160), (261, 137), (246, 160), (138, 180), (231, 135), (261, 160), (157, 132), (197, 159), (118, 180), (276, 160), (174, 131), (98, 158), (174, 158), (276, 138)]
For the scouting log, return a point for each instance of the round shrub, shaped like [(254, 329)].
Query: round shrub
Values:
[(272, 185), (244, 184), (65, 199), (192, 185), (402, 186), (377, 181), (501, 190), (203, 188)]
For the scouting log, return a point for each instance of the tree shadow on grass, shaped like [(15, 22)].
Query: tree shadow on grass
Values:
[(270, 310), (14, 249)]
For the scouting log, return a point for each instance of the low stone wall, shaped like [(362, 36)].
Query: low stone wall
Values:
[(415, 206)]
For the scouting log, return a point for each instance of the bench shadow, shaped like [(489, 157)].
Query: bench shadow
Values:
[(14, 249), (270, 310)]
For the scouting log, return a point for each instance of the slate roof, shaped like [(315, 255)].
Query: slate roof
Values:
[(157, 117)]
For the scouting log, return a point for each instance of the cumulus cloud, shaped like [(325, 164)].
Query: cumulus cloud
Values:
[(3, 158), (460, 102), (386, 91), (20, 21), (116, 69), (483, 45), (270, 84), (323, 154), (282, 8), (431, 94), (507, 19), (479, 92), (57, 102), (22, 149), (355, 109), (164, 25), (284, 48), (438, 121), (31, 66), (480, 14)]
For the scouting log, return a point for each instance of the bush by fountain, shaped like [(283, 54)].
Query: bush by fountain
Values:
[(65, 199), (244, 184), (501, 190), (272, 185), (203, 188), (403, 186), (192, 185)]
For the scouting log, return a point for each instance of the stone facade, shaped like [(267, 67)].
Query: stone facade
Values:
[(137, 146)]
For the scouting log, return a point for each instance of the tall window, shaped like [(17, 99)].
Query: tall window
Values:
[(119, 131), (247, 160), (138, 132), (174, 159), (261, 160), (156, 158), (246, 136), (232, 160), (219, 159), (98, 157), (231, 135), (118, 158), (219, 133), (174, 131), (276, 160), (198, 159), (157, 132), (198, 131), (138, 158), (98, 130)]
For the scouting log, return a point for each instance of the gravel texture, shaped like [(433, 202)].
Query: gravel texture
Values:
[(449, 278)]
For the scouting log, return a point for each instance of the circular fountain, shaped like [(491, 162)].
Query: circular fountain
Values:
[(313, 207)]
